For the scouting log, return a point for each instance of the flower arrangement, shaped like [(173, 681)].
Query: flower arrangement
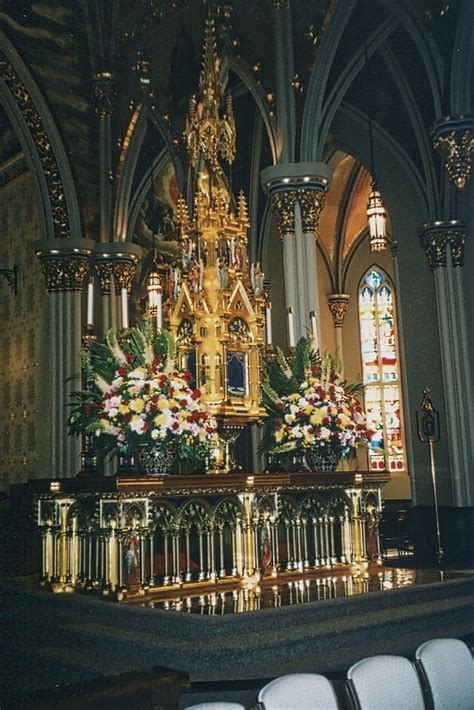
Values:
[(310, 405), (135, 396)]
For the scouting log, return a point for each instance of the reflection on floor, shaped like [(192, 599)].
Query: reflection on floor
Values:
[(288, 589)]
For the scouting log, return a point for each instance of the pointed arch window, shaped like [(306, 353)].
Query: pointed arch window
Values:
[(381, 371)]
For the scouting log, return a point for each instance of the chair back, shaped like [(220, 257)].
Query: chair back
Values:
[(299, 691), (447, 666), (385, 683)]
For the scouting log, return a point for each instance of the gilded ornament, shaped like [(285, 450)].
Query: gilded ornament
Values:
[(104, 93), (104, 270), (456, 149), (338, 303), (282, 204), (43, 146), (435, 240), (124, 273), (311, 203), (64, 273)]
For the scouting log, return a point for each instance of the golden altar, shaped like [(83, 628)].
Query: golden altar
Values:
[(123, 536)]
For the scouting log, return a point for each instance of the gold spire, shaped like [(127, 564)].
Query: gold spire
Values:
[(207, 134)]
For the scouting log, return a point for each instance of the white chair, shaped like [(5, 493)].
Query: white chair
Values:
[(385, 683), (447, 667), (299, 691), (216, 706)]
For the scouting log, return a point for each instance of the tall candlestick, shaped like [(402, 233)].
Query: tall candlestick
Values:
[(124, 300), (291, 328), (90, 302), (268, 323), (159, 309), (314, 328)]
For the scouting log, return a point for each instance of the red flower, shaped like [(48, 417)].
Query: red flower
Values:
[(122, 371), (130, 358), (196, 394), (175, 425), (183, 402), (279, 405)]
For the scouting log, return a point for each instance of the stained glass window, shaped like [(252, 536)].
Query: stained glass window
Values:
[(380, 371)]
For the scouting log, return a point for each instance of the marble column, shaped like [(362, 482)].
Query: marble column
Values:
[(443, 243), (338, 303), (296, 192), (65, 264)]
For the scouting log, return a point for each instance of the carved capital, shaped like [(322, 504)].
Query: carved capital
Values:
[(43, 146), (311, 203), (64, 272), (103, 93), (104, 271), (282, 204), (454, 141), (338, 303), (435, 239), (124, 273)]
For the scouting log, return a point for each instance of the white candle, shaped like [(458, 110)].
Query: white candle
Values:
[(268, 323), (291, 329), (90, 302), (314, 328), (159, 306), (124, 300)]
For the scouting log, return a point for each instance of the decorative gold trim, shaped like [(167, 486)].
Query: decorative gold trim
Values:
[(311, 203), (43, 146), (338, 303), (64, 273), (103, 93), (282, 204), (456, 149), (435, 240)]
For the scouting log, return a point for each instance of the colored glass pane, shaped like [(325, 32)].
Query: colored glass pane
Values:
[(380, 372)]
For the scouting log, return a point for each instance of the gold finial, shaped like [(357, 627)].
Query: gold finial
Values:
[(243, 213)]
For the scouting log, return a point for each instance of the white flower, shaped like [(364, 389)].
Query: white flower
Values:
[(154, 433), (138, 374), (325, 433), (137, 425)]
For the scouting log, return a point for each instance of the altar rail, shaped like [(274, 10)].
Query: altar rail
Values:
[(137, 534)]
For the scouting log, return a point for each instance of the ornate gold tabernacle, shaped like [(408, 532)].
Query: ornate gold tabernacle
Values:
[(215, 300)]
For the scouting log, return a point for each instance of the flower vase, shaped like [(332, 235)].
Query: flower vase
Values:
[(155, 460), (320, 460)]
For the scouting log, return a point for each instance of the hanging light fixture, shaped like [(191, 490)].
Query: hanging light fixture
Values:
[(376, 214), (154, 282)]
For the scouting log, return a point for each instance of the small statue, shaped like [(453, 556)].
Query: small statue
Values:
[(222, 273), (257, 278)]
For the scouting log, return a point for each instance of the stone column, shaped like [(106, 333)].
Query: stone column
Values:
[(284, 74), (296, 192), (443, 243), (64, 263), (338, 303)]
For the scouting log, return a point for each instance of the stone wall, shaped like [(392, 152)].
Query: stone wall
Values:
[(24, 421)]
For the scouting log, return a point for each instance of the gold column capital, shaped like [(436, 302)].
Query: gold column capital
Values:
[(282, 203), (453, 139), (124, 273), (435, 237), (64, 272), (103, 93), (311, 202), (337, 303)]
